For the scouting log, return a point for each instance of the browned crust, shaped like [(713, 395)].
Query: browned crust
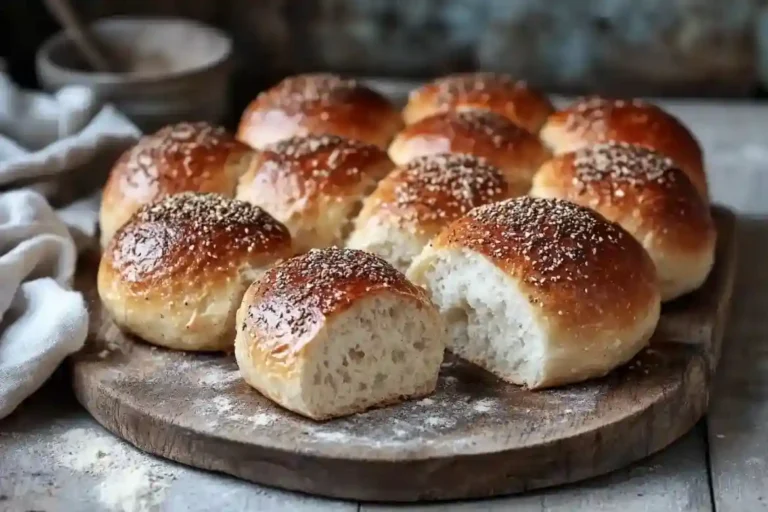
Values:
[(514, 150), (286, 308), (297, 171), (586, 272), (499, 93), (191, 238), (319, 104), (431, 191), (635, 187), (596, 119)]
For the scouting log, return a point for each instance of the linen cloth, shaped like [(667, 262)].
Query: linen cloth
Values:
[(48, 144)]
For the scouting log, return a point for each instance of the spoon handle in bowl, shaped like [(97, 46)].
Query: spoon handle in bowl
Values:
[(80, 35)]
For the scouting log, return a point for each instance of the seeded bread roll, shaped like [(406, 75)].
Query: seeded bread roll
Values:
[(175, 274), (185, 157), (414, 202), (514, 150), (337, 331), (541, 292), (594, 119), (314, 185), (319, 104), (650, 197), (499, 93)]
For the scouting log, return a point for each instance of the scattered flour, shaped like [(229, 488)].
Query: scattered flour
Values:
[(438, 421), (484, 405), (223, 404), (264, 419), (426, 402), (219, 378), (130, 480)]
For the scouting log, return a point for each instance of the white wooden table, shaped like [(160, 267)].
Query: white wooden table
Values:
[(54, 457)]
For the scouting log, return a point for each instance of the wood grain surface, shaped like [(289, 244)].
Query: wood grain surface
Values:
[(476, 436)]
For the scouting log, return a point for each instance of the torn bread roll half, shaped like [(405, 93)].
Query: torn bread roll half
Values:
[(650, 197), (414, 202), (484, 134), (175, 273), (338, 331), (541, 292), (314, 184)]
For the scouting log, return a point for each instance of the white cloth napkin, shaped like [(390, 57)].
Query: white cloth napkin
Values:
[(44, 140)]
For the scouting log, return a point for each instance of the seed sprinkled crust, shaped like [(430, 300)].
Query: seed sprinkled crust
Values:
[(496, 92), (322, 88), (621, 162), (195, 234), (434, 190), (290, 303), (302, 168)]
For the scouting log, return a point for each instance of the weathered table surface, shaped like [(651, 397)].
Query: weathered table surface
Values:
[(53, 456)]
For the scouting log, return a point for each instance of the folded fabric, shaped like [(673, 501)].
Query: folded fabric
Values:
[(44, 141)]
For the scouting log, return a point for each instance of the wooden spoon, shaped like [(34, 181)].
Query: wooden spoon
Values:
[(81, 36)]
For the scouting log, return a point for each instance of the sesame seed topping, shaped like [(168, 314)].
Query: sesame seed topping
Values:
[(622, 163), (296, 148), (322, 88), (441, 188), (205, 210), (293, 296), (175, 152), (493, 129), (453, 87), (591, 114), (556, 238)]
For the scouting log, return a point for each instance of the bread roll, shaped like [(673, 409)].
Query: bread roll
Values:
[(594, 120), (319, 104), (515, 151), (499, 93), (413, 203), (185, 157), (650, 197), (337, 331), (174, 275), (314, 185), (541, 292)]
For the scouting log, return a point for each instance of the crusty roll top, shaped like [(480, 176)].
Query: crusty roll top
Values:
[(632, 184), (178, 158), (514, 150), (286, 308), (595, 119), (190, 238), (301, 168), (499, 93), (319, 104), (582, 269), (431, 191)]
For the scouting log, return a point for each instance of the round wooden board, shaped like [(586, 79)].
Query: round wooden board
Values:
[(476, 436)]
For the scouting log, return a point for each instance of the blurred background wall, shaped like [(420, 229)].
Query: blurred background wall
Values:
[(645, 47)]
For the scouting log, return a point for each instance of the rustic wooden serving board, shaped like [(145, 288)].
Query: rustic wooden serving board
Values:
[(476, 436)]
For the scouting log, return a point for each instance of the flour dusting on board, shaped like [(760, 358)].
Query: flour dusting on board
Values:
[(130, 480)]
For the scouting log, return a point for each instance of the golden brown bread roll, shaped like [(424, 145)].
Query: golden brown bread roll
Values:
[(499, 93), (185, 157), (594, 119), (174, 275), (650, 197), (414, 202), (514, 150), (541, 292), (314, 185), (319, 104), (337, 331)]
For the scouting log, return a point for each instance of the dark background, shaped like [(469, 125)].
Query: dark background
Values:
[(643, 47)]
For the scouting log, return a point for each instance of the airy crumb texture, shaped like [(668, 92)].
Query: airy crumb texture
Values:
[(292, 298), (496, 92), (338, 331), (649, 196), (596, 119)]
